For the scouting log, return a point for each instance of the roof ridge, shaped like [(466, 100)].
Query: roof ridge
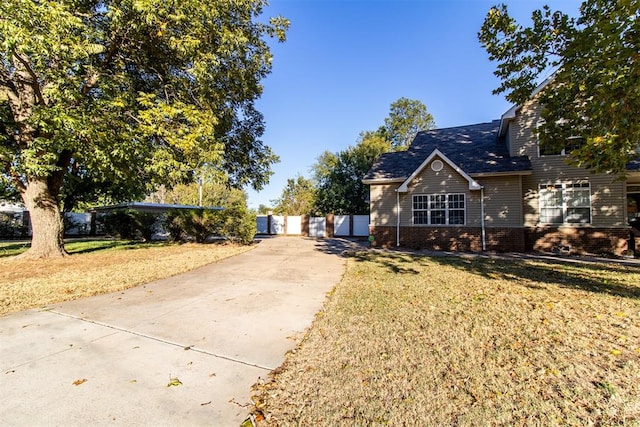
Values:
[(460, 126)]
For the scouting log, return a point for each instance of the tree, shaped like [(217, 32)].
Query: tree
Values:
[(214, 194), (406, 118), (264, 209), (128, 93), (339, 175), (591, 104), (297, 198)]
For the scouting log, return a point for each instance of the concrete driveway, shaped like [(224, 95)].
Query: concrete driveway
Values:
[(110, 359)]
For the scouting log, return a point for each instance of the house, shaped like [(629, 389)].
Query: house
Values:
[(13, 221), (488, 186)]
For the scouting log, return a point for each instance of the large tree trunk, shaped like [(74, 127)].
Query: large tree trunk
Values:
[(46, 221)]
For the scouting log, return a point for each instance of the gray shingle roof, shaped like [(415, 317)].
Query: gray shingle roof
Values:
[(474, 148)]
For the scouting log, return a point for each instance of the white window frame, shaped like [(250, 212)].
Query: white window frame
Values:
[(569, 202), (430, 208), (562, 152)]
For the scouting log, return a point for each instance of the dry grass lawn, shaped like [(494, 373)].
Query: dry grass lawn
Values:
[(27, 284), (410, 340)]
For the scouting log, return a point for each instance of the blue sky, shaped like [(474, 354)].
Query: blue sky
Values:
[(345, 62)]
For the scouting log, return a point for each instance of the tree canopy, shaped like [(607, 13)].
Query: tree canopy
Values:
[(406, 118), (127, 95), (591, 104), (214, 194), (338, 176), (297, 198)]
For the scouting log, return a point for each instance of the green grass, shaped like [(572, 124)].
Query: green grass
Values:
[(431, 341), (9, 248)]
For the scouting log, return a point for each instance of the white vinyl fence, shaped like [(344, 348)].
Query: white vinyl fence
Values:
[(294, 224), (341, 225), (277, 224), (360, 225), (329, 226), (317, 226), (351, 225)]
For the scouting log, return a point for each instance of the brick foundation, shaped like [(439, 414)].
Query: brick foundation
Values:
[(464, 239), (585, 240), (469, 239)]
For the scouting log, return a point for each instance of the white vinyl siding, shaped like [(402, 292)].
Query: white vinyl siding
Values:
[(439, 209)]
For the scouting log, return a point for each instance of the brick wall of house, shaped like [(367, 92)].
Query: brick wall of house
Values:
[(505, 239), (469, 239), (465, 239), (575, 240)]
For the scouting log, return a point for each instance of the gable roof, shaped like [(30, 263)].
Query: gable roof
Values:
[(473, 185), (475, 149), (510, 114)]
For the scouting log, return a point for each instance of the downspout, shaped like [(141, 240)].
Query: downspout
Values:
[(397, 218), (484, 240)]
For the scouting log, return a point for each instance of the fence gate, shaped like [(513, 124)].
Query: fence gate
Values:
[(294, 225), (277, 224), (262, 224), (341, 225), (361, 225), (317, 226)]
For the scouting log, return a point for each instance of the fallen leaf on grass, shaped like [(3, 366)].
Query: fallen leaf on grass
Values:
[(78, 382), (174, 382)]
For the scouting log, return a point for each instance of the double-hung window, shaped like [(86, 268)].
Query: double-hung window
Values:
[(571, 143), (565, 203), (439, 209)]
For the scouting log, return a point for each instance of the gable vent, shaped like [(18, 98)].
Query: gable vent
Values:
[(437, 165)]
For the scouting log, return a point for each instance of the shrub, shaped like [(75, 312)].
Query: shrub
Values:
[(11, 225), (234, 224), (198, 224), (174, 225), (147, 225), (239, 225), (202, 223), (130, 224)]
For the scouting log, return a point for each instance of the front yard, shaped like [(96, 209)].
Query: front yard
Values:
[(96, 267), (417, 340)]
